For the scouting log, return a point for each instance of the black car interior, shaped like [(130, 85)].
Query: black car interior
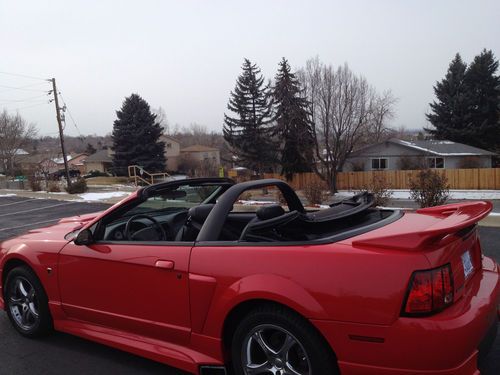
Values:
[(163, 214)]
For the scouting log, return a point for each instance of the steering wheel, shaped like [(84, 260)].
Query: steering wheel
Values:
[(156, 225)]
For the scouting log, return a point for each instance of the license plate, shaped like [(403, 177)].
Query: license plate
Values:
[(467, 263)]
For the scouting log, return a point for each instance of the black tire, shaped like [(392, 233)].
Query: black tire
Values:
[(312, 354), (34, 305)]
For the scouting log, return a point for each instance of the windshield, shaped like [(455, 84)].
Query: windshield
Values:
[(176, 199)]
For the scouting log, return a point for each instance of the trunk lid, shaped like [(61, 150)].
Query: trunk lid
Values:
[(444, 234)]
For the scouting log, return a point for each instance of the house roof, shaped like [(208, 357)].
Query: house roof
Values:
[(443, 148), (100, 156), (437, 147), (163, 136), (198, 148)]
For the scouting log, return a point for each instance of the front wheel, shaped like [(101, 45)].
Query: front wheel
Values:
[(273, 340), (27, 303)]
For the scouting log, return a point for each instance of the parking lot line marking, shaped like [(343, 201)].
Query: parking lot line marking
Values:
[(37, 209), (26, 200), (31, 224)]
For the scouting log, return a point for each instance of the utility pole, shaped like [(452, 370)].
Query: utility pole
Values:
[(61, 136)]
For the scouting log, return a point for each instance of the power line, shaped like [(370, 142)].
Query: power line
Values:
[(24, 76), (70, 115), (22, 100), (23, 88), (45, 102)]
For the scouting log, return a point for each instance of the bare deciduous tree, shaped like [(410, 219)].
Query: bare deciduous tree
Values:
[(161, 118), (14, 133), (341, 110), (381, 112)]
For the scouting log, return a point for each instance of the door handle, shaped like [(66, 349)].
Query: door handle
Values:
[(166, 264)]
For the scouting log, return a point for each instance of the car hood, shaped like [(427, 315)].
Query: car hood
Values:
[(52, 236)]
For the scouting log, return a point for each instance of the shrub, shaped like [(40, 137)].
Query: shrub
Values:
[(380, 189), (77, 187), (315, 192), (35, 184), (429, 188), (53, 187)]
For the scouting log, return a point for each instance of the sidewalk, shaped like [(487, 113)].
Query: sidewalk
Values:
[(109, 195)]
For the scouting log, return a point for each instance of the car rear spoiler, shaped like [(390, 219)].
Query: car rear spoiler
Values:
[(454, 217)]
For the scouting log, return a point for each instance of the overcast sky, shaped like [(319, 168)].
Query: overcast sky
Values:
[(185, 55)]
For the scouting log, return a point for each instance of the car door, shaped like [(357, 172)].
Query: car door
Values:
[(132, 285), (138, 288)]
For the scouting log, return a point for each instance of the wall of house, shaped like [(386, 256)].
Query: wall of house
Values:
[(456, 162), (172, 153), (213, 156), (172, 163), (394, 152), (390, 151), (94, 166)]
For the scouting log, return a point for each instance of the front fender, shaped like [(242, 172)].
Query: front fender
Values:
[(38, 259), (269, 287)]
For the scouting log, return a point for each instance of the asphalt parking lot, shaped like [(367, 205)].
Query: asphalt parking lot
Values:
[(62, 354)]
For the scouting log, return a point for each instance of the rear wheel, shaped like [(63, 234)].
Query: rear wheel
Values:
[(27, 303), (273, 340)]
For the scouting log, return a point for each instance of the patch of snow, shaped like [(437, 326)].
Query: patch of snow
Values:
[(455, 194), (443, 142), (413, 145), (92, 197), (246, 202), (7, 195)]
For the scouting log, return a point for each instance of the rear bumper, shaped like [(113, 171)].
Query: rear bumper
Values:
[(446, 343)]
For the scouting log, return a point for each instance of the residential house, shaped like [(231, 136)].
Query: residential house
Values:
[(397, 154), (35, 162), (77, 162), (200, 153), (101, 161), (172, 152)]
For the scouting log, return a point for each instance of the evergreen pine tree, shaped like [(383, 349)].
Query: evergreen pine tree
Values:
[(292, 125), (483, 86), (450, 112), (136, 137), (467, 106), (248, 132)]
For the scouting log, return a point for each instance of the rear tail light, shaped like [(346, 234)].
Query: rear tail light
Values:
[(429, 292)]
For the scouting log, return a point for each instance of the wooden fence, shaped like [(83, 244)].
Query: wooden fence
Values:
[(481, 179)]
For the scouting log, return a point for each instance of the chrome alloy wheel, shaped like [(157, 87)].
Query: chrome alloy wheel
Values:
[(270, 349), (23, 303)]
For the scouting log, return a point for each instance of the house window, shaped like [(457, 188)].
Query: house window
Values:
[(435, 162), (380, 163), (169, 145)]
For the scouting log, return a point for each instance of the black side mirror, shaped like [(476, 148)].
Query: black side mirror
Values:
[(85, 237)]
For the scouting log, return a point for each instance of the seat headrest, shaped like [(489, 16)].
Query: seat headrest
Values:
[(200, 213), (269, 211)]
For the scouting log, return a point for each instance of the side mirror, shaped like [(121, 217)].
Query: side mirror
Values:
[(85, 237)]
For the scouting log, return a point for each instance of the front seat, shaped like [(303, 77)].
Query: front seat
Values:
[(195, 219)]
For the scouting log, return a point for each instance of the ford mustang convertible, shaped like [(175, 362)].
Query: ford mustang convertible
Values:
[(187, 274)]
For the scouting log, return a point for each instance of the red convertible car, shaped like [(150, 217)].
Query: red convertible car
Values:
[(179, 273)]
